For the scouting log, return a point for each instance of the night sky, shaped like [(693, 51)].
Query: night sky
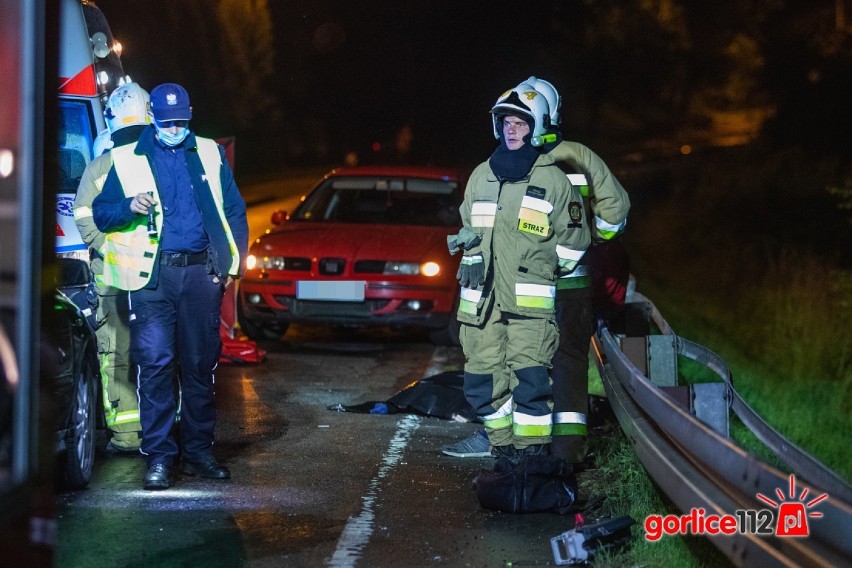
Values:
[(305, 82)]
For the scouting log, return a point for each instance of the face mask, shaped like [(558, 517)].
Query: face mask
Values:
[(169, 139)]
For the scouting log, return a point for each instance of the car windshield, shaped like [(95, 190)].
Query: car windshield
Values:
[(380, 200)]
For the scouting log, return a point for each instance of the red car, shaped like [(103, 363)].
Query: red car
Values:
[(367, 246)]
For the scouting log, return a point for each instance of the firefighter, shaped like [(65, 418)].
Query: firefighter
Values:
[(596, 288), (522, 225), (126, 116), (176, 238)]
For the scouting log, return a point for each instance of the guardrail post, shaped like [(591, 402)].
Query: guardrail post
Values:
[(655, 356), (662, 360), (709, 403)]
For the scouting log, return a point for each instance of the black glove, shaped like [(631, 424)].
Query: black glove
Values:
[(471, 271)]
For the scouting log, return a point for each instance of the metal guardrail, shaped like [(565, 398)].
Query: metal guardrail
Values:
[(699, 468)]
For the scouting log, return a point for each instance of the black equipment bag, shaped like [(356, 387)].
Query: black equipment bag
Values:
[(536, 484)]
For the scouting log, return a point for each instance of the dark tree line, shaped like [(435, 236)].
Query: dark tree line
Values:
[(307, 81)]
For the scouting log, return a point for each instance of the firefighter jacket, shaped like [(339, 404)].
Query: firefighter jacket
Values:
[(604, 199), (91, 184), (130, 255), (528, 231)]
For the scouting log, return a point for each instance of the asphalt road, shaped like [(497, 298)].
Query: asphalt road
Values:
[(311, 486)]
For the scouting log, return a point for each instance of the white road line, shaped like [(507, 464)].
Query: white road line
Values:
[(356, 534), (358, 529)]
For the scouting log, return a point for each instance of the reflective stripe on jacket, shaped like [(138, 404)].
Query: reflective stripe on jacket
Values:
[(208, 151)]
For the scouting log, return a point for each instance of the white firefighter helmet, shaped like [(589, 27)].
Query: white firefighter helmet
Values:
[(522, 101), (127, 106), (103, 142), (554, 101)]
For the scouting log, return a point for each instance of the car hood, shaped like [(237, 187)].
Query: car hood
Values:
[(361, 242)]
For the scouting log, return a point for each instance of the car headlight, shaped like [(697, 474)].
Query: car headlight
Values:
[(430, 269), (251, 261), (269, 262), (408, 268)]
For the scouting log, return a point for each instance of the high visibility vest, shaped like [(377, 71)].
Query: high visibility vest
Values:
[(129, 254)]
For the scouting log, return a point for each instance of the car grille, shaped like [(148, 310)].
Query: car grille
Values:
[(310, 308), (331, 266), (370, 267), (297, 263)]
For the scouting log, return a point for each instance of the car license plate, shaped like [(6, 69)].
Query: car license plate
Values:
[(338, 291)]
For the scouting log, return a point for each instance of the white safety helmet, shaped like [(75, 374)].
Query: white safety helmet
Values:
[(522, 101), (551, 95), (127, 106), (102, 143)]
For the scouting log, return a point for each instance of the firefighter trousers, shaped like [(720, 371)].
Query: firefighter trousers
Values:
[(576, 321), (121, 406), (506, 377), (177, 324)]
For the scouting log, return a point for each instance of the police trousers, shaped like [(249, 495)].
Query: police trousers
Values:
[(506, 378), (176, 325)]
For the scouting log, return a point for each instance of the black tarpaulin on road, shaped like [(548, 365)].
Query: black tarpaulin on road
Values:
[(441, 396)]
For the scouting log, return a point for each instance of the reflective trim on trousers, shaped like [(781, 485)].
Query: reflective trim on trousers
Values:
[(128, 417), (505, 410), (569, 424), (570, 430), (528, 426)]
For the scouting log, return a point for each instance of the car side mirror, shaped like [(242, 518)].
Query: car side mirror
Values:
[(278, 217)]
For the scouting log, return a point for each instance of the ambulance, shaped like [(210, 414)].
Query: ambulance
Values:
[(89, 69)]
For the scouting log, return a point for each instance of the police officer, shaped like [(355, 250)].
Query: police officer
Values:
[(126, 116), (522, 224), (177, 234)]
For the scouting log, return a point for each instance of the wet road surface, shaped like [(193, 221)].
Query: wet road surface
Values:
[(310, 486)]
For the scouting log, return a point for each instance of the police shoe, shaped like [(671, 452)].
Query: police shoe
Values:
[(206, 467), (159, 476)]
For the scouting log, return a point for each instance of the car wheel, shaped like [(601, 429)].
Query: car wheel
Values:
[(257, 331), (80, 443)]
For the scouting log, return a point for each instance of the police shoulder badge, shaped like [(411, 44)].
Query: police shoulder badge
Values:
[(575, 211)]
